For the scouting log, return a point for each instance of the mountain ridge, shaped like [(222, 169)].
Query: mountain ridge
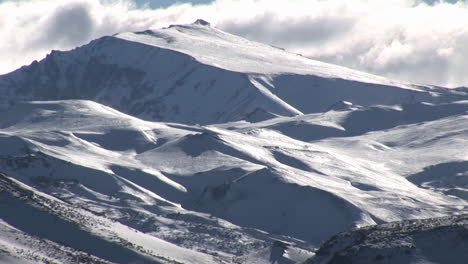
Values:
[(410, 241)]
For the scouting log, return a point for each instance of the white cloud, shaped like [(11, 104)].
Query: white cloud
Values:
[(404, 39), (30, 29)]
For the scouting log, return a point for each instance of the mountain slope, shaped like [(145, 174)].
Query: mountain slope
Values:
[(198, 74), (242, 185), (82, 230)]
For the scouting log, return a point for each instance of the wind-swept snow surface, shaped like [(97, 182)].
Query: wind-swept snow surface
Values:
[(287, 152)]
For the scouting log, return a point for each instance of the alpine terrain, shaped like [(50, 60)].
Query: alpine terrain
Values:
[(191, 145)]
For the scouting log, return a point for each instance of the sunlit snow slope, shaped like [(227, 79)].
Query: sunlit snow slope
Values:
[(191, 145)]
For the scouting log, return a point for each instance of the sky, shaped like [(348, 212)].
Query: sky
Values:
[(411, 40)]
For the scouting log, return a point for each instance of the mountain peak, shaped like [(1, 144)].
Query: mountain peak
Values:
[(201, 22), (211, 46)]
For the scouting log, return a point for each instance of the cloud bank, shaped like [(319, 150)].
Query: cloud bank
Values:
[(402, 39)]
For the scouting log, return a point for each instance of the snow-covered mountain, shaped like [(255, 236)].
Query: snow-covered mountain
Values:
[(134, 144), (198, 74)]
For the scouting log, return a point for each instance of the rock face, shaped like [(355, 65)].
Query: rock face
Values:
[(198, 74), (436, 240)]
